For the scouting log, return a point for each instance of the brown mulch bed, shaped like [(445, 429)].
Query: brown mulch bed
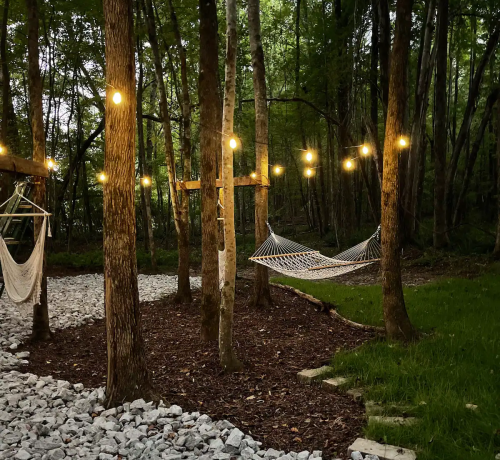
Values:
[(265, 400)]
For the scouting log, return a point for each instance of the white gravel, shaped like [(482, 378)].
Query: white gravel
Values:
[(49, 419)]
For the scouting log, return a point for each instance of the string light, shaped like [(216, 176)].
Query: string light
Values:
[(232, 143), (2, 150), (102, 177), (117, 98), (309, 156), (309, 172), (402, 142), (146, 181), (253, 175), (277, 170), (51, 164), (365, 150), (348, 164)]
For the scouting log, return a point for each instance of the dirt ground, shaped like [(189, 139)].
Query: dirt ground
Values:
[(264, 400)]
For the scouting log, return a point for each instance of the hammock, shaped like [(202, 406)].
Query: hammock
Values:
[(23, 281), (298, 261)]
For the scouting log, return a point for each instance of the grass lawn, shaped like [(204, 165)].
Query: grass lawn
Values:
[(457, 362)]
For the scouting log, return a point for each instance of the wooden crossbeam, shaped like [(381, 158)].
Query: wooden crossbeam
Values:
[(368, 261), (14, 164), (244, 181)]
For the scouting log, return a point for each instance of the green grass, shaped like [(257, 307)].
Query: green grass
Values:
[(456, 362)]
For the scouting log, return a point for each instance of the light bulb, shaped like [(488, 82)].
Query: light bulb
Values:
[(2, 149), (102, 177), (146, 181), (365, 150), (348, 164), (277, 170), (117, 98), (402, 142), (253, 175), (232, 143), (309, 172), (309, 156), (50, 164)]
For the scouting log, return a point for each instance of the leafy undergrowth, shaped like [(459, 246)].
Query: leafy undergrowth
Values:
[(455, 363)]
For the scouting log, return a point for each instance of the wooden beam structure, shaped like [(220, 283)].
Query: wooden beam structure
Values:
[(18, 165), (244, 181)]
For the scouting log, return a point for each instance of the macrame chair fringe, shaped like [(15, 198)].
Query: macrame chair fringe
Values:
[(298, 261)]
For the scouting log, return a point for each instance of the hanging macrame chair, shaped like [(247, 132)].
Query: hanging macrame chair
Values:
[(23, 281), (298, 261)]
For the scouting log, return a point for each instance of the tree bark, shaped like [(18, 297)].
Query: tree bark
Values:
[(208, 94), (128, 377), (470, 110), (186, 155), (471, 160), (228, 359), (384, 50), (183, 294), (262, 292), (397, 323), (41, 329)]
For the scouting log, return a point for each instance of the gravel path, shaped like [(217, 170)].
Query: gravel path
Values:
[(49, 419)]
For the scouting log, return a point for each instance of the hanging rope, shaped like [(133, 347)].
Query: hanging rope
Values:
[(298, 261)]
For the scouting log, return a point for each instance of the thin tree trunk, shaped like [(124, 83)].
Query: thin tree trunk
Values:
[(186, 155), (128, 377), (208, 94), (228, 359), (262, 292), (183, 285), (496, 251), (397, 323), (470, 110), (385, 50), (471, 160), (41, 329)]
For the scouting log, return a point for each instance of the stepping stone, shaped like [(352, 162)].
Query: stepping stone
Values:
[(383, 451), (356, 393), (374, 408), (395, 421), (334, 384), (310, 375)]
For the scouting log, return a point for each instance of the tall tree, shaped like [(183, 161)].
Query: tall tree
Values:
[(397, 322), (262, 293), (440, 236), (183, 294), (128, 376), (496, 251), (41, 329), (208, 95), (228, 359)]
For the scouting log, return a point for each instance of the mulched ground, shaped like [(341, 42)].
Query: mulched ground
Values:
[(265, 400)]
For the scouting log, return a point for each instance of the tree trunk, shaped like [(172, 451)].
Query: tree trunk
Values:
[(470, 110), (186, 155), (385, 50), (496, 251), (41, 329), (228, 359), (208, 94), (128, 377), (262, 293), (440, 236), (397, 322), (471, 160), (183, 286)]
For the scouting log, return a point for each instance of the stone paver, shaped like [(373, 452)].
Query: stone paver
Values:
[(311, 375), (383, 451), (334, 383), (406, 421)]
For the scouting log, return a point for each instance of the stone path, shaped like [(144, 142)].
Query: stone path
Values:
[(49, 419)]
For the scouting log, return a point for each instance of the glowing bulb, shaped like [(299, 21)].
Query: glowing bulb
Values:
[(277, 170), (402, 142), (50, 164), (102, 177), (365, 150), (348, 164), (309, 172), (2, 149), (253, 175), (309, 156), (146, 181), (117, 98), (232, 143)]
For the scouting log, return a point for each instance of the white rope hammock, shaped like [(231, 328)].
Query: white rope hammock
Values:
[(298, 261), (23, 281)]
